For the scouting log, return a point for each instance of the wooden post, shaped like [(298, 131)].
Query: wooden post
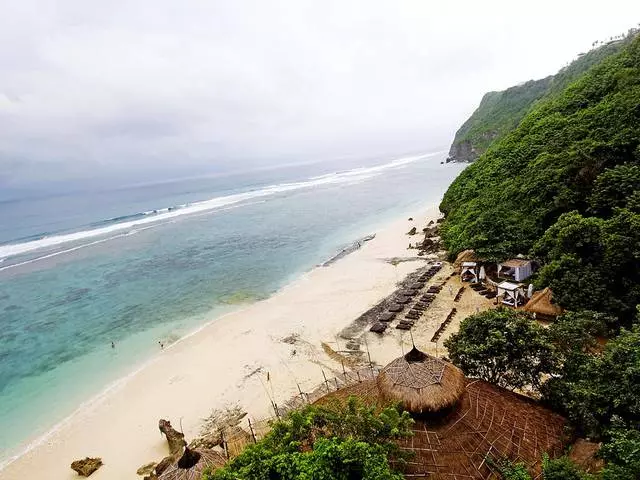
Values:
[(326, 382), (300, 390), (253, 434), (224, 443), (343, 370)]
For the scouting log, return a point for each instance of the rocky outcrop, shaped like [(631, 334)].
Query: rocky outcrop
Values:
[(462, 152), (175, 439), (87, 466)]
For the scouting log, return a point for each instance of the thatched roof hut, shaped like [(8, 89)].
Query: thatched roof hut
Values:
[(192, 465), (465, 256), (421, 383), (541, 304)]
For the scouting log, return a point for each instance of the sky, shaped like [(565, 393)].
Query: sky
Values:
[(93, 89)]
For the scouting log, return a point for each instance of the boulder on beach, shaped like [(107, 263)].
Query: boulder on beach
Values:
[(87, 466), (412, 231)]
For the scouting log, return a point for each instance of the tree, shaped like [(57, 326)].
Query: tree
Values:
[(502, 346), (621, 451), (324, 442), (602, 391)]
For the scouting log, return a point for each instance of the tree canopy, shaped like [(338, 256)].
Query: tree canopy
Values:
[(503, 347)]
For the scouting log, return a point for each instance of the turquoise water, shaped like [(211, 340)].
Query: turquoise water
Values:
[(86, 269)]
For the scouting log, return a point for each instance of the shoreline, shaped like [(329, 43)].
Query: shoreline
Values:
[(170, 385)]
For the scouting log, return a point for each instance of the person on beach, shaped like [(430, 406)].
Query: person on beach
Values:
[(113, 345), (161, 344)]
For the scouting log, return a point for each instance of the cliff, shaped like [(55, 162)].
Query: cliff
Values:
[(500, 112)]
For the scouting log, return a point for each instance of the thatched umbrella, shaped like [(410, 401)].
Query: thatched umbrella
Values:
[(421, 383), (192, 465)]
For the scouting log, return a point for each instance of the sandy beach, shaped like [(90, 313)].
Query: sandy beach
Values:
[(242, 360)]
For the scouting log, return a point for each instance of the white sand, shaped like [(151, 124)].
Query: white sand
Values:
[(226, 363)]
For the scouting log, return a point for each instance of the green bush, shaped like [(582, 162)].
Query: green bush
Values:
[(338, 441)]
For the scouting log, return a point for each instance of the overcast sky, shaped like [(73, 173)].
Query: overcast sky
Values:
[(93, 87)]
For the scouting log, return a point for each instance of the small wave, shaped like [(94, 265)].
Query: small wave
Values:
[(129, 223)]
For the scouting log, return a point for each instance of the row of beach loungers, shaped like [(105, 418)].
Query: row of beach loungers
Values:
[(402, 300), (482, 290), (459, 294), (444, 325)]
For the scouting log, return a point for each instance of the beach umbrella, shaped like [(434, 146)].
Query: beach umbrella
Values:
[(421, 383)]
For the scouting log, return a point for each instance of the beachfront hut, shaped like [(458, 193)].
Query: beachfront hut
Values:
[(542, 306), (511, 294), (469, 272), (471, 424), (421, 383), (516, 269)]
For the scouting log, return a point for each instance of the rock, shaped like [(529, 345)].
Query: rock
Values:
[(175, 439), (412, 231), (87, 466), (431, 222), (411, 219), (146, 469)]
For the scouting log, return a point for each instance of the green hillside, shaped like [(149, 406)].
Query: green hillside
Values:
[(500, 112), (563, 185)]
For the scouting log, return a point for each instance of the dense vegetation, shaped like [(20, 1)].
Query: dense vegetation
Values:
[(598, 393), (563, 186), (340, 442), (500, 112)]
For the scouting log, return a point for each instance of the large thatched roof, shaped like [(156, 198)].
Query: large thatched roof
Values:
[(489, 423), (541, 303), (421, 383)]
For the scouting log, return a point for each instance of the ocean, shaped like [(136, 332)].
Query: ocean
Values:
[(94, 283)]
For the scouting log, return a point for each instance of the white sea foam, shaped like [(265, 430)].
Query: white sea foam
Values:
[(216, 203)]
